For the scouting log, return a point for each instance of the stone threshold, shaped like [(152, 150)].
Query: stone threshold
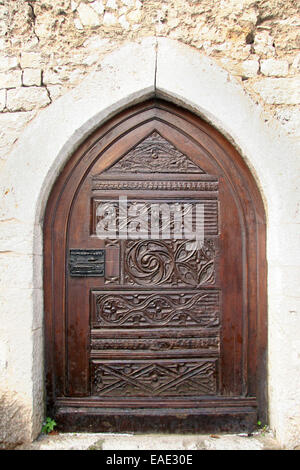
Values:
[(107, 441)]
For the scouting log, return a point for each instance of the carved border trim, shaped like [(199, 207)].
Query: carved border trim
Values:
[(156, 185)]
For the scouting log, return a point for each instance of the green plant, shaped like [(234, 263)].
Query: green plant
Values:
[(48, 425), (263, 428)]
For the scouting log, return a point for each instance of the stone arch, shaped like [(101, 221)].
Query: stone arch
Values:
[(137, 71)]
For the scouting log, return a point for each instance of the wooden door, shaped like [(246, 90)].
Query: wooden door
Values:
[(144, 331)]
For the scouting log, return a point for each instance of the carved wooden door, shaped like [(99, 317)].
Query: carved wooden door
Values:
[(152, 331)]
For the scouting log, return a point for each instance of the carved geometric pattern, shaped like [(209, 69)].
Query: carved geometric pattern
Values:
[(111, 280), (160, 378), (160, 344), (109, 245), (156, 262), (155, 155), (157, 309), (156, 185)]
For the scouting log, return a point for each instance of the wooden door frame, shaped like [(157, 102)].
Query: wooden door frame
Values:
[(246, 191)]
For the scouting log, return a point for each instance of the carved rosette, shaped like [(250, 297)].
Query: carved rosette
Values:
[(156, 262)]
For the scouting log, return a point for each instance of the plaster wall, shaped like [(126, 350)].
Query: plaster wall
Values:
[(130, 74)]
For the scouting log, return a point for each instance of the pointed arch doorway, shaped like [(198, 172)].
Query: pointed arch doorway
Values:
[(143, 333)]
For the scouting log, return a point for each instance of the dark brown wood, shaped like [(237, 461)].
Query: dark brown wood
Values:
[(190, 420), (165, 330)]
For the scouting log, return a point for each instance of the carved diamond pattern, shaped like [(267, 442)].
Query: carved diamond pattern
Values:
[(157, 379)]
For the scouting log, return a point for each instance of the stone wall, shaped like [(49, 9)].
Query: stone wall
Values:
[(48, 46)]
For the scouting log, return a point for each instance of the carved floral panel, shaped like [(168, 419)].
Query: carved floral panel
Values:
[(156, 262), (127, 309)]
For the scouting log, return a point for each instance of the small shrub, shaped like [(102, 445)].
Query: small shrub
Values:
[(48, 425)]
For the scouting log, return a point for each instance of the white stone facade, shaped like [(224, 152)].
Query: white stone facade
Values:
[(131, 74)]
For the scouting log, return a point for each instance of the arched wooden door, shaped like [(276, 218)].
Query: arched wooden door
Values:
[(144, 333)]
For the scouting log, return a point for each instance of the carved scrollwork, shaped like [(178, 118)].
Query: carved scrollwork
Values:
[(149, 262), (155, 262), (158, 309)]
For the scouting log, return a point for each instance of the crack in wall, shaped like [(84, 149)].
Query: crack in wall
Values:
[(155, 68), (32, 18)]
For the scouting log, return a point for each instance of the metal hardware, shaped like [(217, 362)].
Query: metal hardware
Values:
[(87, 263)]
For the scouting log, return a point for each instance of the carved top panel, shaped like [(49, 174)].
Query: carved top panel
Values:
[(155, 155)]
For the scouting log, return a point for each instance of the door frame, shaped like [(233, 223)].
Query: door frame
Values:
[(246, 189)]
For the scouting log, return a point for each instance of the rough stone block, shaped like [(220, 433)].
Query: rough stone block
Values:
[(73, 5), (31, 60), (88, 15), (7, 63), (98, 6), (78, 24), (135, 16), (2, 99), (264, 43), (274, 68), (123, 22), (11, 79), (109, 19), (44, 26), (51, 77), (249, 68), (279, 90), (128, 3), (112, 4), (27, 99), (32, 77)]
